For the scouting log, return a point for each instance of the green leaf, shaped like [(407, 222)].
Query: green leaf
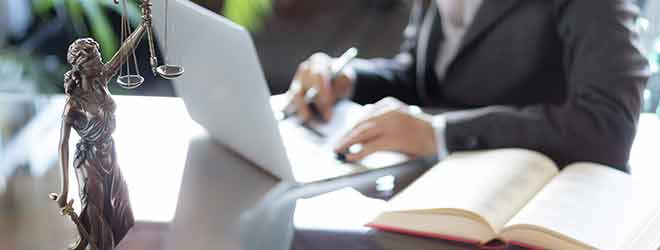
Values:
[(248, 13), (134, 14), (42, 7), (77, 16)]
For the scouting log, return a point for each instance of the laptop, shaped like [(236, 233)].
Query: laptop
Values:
[(224, 90)]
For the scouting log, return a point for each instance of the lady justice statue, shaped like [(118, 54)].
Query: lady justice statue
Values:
[(106, 214)]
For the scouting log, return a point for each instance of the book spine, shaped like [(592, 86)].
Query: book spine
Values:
[(526, 246)]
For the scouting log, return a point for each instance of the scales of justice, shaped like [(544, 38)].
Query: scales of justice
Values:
[(106, 215)]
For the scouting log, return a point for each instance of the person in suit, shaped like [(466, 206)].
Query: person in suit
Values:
[(562, 77)]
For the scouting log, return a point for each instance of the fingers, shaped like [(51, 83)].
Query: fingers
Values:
[(297, 91), (382, 107), (324, 100), (391, 101), (301, 107), (388, 104), (320, 58), (361, 134), (372, 132), (370, 128), (59, 198), (375, 145), (321, 82), (313, 75)]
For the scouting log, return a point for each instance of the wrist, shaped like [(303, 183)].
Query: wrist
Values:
[(439, 124)]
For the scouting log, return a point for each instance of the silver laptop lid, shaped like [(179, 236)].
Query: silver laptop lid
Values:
[(223, 88)]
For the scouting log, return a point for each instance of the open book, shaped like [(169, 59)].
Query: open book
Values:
[(521, 197)]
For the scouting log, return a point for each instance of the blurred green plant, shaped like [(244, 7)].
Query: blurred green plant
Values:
[(90, 19), (17, 69), (248, 13)]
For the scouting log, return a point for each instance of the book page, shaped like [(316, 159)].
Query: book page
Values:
[(649, 237), (494, 184), (592, 204)]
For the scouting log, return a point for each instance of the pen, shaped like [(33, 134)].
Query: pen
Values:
[(335, 69)]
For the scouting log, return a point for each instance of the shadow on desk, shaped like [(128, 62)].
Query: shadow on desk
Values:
[(217, 187), (226, 202)]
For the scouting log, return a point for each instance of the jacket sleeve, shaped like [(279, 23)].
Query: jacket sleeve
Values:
[(378, 78), (606, 75)]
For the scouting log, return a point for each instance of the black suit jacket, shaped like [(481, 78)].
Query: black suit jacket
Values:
[(562, 77)]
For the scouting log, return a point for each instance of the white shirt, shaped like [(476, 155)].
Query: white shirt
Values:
[(457, 15)]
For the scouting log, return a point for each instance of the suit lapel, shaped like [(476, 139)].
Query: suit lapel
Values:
[(487, 16), (430, 37)]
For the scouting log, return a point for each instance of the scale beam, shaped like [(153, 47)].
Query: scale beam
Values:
[(128, 47)]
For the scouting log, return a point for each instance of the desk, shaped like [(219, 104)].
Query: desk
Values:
[(189, 192), (253, 211), (170, 164), (226, 201)]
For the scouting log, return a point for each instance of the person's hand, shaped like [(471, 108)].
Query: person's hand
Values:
[(391, 126), (315, 73), (60, 198)]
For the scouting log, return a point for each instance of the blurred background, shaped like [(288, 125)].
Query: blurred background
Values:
[(35, 34)]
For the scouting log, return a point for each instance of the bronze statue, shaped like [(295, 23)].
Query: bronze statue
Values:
[(106, 214)]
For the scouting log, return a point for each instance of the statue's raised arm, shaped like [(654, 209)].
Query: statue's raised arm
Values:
[(125, 51), (128, 46)]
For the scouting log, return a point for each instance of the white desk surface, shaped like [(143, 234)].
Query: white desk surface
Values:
[(156, 140)]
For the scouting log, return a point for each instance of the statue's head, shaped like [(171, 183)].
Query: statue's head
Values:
[(85, 56)]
